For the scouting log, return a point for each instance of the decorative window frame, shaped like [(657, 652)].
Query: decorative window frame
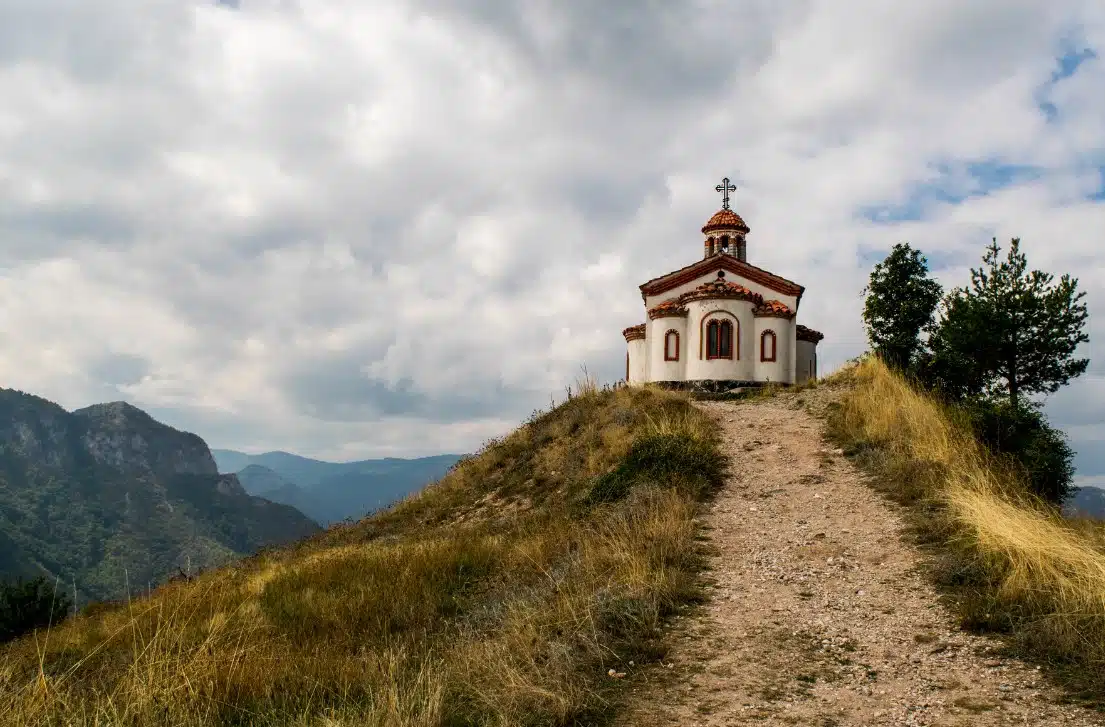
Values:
[(734, 343), (668, 356), (725, 326), (763, 345)]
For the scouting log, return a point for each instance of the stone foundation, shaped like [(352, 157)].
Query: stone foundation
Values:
[(714, 386)]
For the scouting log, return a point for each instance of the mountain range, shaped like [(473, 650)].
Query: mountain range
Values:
[(1086, 502), (329, 492), (106, 500)]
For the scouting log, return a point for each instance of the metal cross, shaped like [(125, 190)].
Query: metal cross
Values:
[(725, 188)]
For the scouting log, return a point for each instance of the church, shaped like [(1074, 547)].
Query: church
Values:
[(721, 323)]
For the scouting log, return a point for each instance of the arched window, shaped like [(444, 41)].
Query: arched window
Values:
[(767, 346), (725, 243), (709, 246), (719, 339), (671, 345)]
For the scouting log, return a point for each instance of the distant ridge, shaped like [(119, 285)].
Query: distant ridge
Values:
[(332, 491), (1086, 502)]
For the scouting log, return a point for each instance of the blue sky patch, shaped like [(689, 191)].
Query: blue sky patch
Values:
[(867, 256), (1068, 64), (1099, 195), (956, 182)]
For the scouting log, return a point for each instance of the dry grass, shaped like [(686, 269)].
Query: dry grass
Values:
[(495, 597), (1007, 561)]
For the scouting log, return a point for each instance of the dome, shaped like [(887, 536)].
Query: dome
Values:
[(725, 219)]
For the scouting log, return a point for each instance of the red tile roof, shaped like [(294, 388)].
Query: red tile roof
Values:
[(634, 333), (720, 288), (774, 308), (807, 334), (670, 307), (725, 219)]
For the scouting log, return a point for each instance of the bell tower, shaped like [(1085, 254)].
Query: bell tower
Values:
[(725, 231)]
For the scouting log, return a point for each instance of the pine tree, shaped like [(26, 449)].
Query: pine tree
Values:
[(1013, 331)]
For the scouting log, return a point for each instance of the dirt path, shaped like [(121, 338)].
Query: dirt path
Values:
[(818, 616)]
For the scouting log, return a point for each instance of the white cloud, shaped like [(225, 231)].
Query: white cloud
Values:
[(354, 228)]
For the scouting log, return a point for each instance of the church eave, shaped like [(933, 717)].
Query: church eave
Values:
[(802, 333), (674, 279)]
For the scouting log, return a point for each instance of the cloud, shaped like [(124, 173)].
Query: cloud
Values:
[(352, 229)]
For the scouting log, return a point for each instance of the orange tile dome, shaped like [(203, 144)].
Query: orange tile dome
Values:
[(775, 308), (720, 288), (669, 308), (725, 219)]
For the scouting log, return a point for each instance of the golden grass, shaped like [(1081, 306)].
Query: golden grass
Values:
[(494, 597), (1012, 563)]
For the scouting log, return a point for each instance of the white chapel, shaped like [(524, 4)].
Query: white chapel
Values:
[(721, 323)]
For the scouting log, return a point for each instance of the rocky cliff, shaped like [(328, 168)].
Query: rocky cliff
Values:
[(108, 498)]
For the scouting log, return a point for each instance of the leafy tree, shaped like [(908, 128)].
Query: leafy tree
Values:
[(1012, 332), (27, 605), (901, 300)]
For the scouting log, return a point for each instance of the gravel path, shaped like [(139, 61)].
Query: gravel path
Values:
[(818, 615)]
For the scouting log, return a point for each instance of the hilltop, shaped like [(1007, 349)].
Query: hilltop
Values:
[(841, 553), (108, 500)]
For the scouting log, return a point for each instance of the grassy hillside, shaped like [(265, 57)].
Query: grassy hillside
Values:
[(1007, 562), (502, 595)]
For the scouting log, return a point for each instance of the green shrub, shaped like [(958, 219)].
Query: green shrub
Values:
[(27, 605), (667, 458), (1022, 436)]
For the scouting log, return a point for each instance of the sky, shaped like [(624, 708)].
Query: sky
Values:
[(364, 228)]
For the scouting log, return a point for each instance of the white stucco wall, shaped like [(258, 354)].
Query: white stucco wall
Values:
[(638, 361), (792, 364), (790, 300), (779, 369), (659, 369), (698, 366), (806, 361)]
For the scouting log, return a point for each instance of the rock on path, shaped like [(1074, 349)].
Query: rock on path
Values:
[(818, 615)]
